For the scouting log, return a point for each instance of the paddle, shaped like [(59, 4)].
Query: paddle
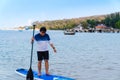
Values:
[(30, 72)]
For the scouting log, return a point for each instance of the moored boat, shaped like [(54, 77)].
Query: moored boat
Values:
[(69, 32)]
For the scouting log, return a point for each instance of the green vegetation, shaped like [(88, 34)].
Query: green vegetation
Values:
[(117, 24), (58, 24), (68, 23), (111, 20)]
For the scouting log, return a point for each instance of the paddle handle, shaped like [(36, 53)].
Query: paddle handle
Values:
[(32, 46)]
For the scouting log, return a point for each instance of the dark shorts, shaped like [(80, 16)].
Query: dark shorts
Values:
[(43, 55)]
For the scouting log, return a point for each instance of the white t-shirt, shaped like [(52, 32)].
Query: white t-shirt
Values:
[(42, 42)]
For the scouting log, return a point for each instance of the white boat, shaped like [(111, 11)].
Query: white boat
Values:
[(69, 32)]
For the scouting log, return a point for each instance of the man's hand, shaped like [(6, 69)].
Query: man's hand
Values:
[(32, 39), (55, 50)]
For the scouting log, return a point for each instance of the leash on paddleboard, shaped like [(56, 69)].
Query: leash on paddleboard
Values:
[(30, 75)]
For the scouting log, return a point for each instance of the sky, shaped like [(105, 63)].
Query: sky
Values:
[(15, 13)]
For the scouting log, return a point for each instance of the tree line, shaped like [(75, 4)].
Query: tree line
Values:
[(111, 20)]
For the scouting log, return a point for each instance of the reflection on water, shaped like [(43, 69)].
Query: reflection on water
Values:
[(84, 56)]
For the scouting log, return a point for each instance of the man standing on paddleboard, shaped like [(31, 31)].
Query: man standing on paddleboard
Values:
[(43, 40)]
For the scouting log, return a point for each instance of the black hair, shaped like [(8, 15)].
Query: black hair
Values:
[(43, 29)]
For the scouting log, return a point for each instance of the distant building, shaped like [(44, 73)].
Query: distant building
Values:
[(78, 28), (100, 27), (103, 28), (27, 27)]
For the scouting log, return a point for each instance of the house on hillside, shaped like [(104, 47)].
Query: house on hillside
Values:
[(103, 28), (78, 28), (100, 27)]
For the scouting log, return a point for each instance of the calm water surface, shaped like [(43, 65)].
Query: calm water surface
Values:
[(84, 56)]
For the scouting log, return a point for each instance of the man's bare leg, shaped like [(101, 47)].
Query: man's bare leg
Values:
[(47, 67), (39, 67)]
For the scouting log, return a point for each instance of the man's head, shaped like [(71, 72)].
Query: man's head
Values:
[(43, 31)]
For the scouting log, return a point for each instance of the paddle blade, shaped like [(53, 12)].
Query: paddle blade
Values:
[(30, 75)]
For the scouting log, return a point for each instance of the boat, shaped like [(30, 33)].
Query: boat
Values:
[(69, 32)]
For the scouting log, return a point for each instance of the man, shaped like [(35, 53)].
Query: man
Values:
[(43, 40)]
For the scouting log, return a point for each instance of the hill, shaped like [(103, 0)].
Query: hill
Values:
[(67, 23), (86, 22)]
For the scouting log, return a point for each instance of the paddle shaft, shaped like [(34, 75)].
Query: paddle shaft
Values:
[(30, 75), (32, 46)]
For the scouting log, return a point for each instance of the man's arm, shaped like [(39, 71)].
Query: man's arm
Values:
[(53, 47)]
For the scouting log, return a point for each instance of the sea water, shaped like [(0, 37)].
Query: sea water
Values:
[(83, 56)]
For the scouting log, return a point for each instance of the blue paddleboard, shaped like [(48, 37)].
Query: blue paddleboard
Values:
[(23, 72)]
